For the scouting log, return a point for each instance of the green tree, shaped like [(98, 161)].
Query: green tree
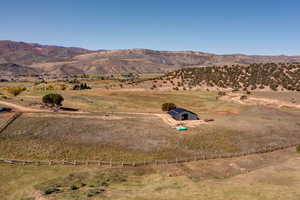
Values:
[(168, 106), (53, 99), (298, 148)]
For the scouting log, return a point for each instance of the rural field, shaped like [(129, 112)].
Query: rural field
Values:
[(150, 100), (265, 176), (126, 124)]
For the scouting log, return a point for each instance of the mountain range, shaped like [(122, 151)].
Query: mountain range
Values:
[(26, 58)]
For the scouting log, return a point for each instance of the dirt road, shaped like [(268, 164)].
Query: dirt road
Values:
[(165, 117), (21, 108), (35, 110)]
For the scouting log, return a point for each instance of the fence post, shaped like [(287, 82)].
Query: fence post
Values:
[(110, 163)]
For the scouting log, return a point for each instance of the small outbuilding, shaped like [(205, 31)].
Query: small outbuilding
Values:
[(181, 114), (4, 109)]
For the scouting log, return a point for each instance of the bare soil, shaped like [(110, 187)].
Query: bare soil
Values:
[(172, 122), (236, 97)]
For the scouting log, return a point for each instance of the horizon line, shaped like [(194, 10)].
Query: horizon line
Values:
[(163, 50)]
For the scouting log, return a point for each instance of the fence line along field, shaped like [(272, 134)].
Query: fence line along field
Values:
[(111, 163)]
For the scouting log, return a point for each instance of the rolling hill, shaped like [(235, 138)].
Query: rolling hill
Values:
[(63, 60), (26, 53), (11, 69), (149, 61)]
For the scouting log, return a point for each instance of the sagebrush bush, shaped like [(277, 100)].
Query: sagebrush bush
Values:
[(298, 148), (221, 93), (168, 106), (50, 190), (243, 97)]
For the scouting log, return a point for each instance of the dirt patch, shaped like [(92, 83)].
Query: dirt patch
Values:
[(236, 98), (172, 122), (225, 168)]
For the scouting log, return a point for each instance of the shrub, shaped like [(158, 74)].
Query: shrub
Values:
[(15, 90), (94, 192), (74, 187), (53, 99), (168, 106), (83, 86), (243, 97), (298, 148), (50, 190), (221, 93)]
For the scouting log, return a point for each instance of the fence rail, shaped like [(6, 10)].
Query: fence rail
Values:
[(9, 121), (202, 156)]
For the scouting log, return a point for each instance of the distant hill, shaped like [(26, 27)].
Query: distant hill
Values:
[(149, 61), (27, 53), (63, 60), (11, 69)]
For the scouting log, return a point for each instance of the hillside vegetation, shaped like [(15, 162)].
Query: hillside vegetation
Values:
[(254, 76)]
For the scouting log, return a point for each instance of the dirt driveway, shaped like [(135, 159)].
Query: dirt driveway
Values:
[(21, 108)]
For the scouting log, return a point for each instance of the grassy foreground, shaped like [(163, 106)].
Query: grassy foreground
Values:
[(278, 181)]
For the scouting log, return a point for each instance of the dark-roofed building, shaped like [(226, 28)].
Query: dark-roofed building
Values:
[(181, 114), (4, 109)]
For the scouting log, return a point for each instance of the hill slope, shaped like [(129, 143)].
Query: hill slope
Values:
[(27, 53), (149, 61), (11, 69), (254, 76), (64, 60)]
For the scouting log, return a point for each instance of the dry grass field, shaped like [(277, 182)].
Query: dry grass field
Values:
[(121, 124), (127, 137), (281, 96), (257, 177)]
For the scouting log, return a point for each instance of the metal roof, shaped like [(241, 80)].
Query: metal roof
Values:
[(178, 110), (5, 109)]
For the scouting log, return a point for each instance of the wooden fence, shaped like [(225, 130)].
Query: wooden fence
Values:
[(202, 156), (9, 121)]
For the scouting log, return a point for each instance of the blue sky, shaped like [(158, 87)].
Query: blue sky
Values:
[(269, 27)]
